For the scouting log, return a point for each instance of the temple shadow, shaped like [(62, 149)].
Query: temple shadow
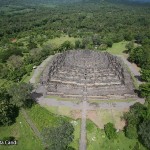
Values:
[(36, 95), (138, 78)]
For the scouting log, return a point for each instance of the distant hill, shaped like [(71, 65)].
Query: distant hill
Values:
[(34, 2), (39, 2)]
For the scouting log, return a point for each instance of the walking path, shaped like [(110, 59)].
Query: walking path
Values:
[(133, 68), (31, 124), (39, 96), (83, 121), (39, 69)]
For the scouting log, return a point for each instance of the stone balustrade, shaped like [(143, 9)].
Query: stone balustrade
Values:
[(103, 73)]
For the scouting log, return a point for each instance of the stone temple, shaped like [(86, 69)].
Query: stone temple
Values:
[(104, 75)]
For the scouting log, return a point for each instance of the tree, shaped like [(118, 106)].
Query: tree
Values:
[(145, 75), (66, 46), (144, 133), (58, 138), (15, 62), (31, 44), (137, 146), (137, 55), (144, 90), (130, 46), (136, 114), (21, 94), (131, 131), (110, 131), (109, 43), (8, 112), (141, 56), (77, 44), (96, 40)]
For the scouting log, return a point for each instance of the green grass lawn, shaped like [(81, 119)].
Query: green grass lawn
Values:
[(67, 112), (117, 48), (97, 140), (63, 99), (110, 100), (56, 42), (60, 110), (23, 133), (45, 118), (27, 78), (75, 142)]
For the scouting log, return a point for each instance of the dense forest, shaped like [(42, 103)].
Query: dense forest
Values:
[(25, 27)]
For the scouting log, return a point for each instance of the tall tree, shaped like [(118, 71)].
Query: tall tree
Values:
[(21, 94), (58, 138), (144, 132)]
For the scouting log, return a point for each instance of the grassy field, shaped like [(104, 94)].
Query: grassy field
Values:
[(97, 140), (65, 111), (110, 101), (60, 110), (103, 116), (56, 42), (75, 142), (27, 78), (44, 118), (47, 118), (63, 99), (23, 133), (117, 48)]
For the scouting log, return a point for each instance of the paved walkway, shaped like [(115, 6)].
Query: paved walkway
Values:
[(133, 68), (39, 96), (83, 121), (39, 70)]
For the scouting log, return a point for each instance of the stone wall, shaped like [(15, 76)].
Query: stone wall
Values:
[(103, 74)]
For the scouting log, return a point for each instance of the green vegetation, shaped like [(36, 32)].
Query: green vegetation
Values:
[(63, 99), (58, 41), (110, 131), (29, 34), (145, 75), (58, 138), (98, 140), (144, 132), (145, 90), (21, 132), (138, 123), (26, 78), (65, 111), (21, 94), (118, 48), (43, 118), (131, 131), (110, 101)]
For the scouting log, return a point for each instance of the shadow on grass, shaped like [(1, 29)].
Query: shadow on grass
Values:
[(138, 78)]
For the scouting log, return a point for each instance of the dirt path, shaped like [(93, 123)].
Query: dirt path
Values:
[(39, 69)]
